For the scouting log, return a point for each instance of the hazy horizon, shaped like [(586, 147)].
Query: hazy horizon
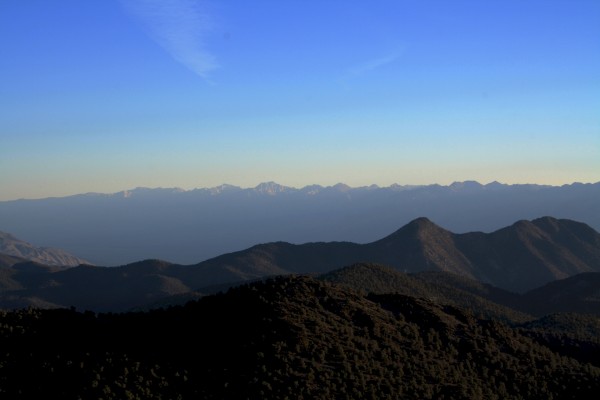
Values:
[(108, 95), (189, 189)]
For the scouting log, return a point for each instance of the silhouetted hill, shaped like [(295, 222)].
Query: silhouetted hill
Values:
[(418, 246), (521, 257), (276, 259), (187, 226), (10, 245), (530, 253), (89, 287), (292, 337)]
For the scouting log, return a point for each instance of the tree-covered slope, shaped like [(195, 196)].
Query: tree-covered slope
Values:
[(485, 301), (292, 337)]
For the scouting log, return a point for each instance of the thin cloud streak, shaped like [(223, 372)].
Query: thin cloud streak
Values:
[(369, 66), (180, 27)]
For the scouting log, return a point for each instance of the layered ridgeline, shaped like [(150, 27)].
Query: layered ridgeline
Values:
[(187, 226), (13, 250), (519, 258), (291, 338)]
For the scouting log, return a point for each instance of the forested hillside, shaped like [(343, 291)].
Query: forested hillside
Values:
[(290, 337)]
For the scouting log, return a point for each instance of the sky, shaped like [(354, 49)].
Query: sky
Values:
[(107, 95)]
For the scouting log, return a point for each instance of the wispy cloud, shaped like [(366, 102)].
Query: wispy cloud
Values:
[(180, 27), (370, 65)]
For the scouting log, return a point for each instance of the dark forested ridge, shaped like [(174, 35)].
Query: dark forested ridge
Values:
[(290, 337), (576, 294), (521, 257), (579, 293), (484, 301)]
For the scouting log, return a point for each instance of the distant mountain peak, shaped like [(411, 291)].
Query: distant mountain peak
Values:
[(418, 229), (271, 188), (222, 189), (466, 185), (312, 189), (494, 185), (341, 187)]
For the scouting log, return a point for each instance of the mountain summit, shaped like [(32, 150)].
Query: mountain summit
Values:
[(422, 245)]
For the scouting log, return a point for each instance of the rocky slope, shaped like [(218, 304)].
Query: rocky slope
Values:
[(11, 246)]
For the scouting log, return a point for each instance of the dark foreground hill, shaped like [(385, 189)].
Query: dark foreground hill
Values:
[(294, 338)]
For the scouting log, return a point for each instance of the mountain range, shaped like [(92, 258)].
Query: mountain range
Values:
[(431, 323), (185, 226), (517, 258)]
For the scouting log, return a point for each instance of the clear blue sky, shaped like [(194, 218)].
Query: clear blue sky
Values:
[(106, 95)]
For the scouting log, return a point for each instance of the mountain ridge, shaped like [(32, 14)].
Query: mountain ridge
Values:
[(272, 187), (508, 259), (185, 226), (498, 257)]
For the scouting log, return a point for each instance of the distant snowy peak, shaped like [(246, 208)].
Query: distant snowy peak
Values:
[(224, 188), (272, 188), (145, 191), (311, 190)]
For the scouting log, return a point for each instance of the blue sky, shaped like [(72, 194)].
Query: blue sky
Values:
[(109, 95)]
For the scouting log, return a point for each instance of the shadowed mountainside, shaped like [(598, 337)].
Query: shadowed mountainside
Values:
[(521, 257), (518, 258)]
